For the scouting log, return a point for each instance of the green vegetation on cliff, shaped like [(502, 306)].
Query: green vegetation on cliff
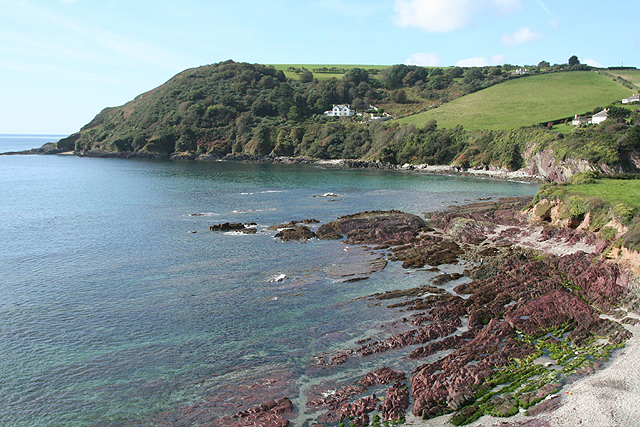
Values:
[(613, 204)]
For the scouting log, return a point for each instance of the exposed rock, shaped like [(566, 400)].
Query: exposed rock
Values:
[(268, 414), (384, 375), (292, 224), (396, 403), (374, 227), (300, 232), (233, 227)]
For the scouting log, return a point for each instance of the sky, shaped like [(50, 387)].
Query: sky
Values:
[(63, 61)]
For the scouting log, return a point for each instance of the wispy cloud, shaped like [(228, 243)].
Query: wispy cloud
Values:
[(47, 35), (447, 15), (555, 20), (428, 59), (523, 35)]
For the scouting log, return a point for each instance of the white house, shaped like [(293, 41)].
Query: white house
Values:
[(596, 119), (340, 111), (631, 99), (600, 117), (580, 120)]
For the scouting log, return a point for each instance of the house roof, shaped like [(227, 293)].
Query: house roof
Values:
[(603, 113)]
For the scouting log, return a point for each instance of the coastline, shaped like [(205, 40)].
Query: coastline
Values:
[(582, 400), (521, 175), (451, 323)]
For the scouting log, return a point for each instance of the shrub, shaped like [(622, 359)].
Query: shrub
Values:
[(584, 178), (623, 212)]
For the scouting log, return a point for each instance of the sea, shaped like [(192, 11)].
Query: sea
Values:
[(118, 306)]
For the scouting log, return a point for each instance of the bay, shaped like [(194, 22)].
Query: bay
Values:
[(112, 310)]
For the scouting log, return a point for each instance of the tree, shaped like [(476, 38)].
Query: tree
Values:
[(306, 76), (357, 75), (617, 114), (544, 64), (473, 75), (573, 61), (399, 96)]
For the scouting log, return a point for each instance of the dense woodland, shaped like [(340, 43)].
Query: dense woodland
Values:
[(240, 108)]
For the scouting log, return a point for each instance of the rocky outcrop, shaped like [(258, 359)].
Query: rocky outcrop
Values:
[(239, 227), (396, 403), (374, 228), (299, 232), (270, 414)]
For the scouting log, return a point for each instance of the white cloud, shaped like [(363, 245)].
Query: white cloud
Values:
[(472, 62), (428, 59), (523, 35), (497, 59), (447, 15), (592, 63)]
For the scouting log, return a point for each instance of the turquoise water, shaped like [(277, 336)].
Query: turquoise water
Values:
[(111, 311)]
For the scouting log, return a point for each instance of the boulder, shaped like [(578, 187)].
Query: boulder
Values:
[(299, 232)]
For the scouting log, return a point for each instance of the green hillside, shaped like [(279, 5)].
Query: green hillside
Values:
[(525, 101)]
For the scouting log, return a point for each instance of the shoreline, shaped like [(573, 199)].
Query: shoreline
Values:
[(450, 323), (521, 175)]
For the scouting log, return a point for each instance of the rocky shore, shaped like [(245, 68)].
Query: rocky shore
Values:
[(541, 307)]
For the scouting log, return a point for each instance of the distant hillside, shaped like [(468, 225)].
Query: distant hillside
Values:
[(240, 109), (526, 101)]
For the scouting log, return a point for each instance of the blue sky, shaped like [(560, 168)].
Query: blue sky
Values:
[(62, 61)]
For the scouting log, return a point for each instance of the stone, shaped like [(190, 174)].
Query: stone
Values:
[(299, 232), (374, 227)]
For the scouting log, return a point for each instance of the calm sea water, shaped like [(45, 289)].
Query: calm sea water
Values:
[(111, 311)]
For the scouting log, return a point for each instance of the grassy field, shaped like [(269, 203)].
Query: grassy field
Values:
[(310, 67), (613, 191), (525, 101), (631, 75)]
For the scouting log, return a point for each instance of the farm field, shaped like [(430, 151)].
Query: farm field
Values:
[(310, 67), (631, 75), (526, 101)]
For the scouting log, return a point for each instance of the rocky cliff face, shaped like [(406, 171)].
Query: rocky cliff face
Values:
[(546, 167)]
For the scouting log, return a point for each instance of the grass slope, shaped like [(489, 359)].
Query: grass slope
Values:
[(613, 191), (526, 101), (631, 75)]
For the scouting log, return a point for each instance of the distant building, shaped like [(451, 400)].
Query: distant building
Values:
[(600, 117), (521, 71), (631, 99), (596, 119), (580, 120), (340, 111)]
